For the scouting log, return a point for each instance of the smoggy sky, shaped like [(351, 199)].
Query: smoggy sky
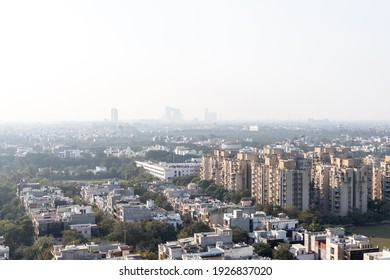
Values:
[(75, 60)]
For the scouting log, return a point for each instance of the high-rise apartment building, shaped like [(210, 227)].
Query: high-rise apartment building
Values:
[(381, 180), (280, 183), (228, 168), (271, 179), (319, 180)]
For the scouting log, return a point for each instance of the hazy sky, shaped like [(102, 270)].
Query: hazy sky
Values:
[(74, 60)]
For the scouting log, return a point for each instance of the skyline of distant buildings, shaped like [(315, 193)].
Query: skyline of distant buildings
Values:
[(174, 115)]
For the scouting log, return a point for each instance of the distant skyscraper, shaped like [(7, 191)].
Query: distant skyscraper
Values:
[(173, 114), (210, 116), (114, 114)]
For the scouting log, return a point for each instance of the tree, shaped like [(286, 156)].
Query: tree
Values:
[(184, 180), (71, 236), (187, 219), (106, 225), (239, 235), (41, 250), (263, 250), (269, 209), (292, 212), (282, 252), (19, 233), (196, 227), (307, 216)]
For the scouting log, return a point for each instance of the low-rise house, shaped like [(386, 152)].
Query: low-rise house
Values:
[(76, 214), (315, 242), (86, 230), (333, 244), (382, 255), (272, 237), (93, 251), (240, 251), (258, 220), (210, 254), (280, 222), (201, 246), (237, 219), (4, 250), (173, 250), (119, 195), (299, 252), (133, 212), (220, 234), (89, 192), (47, 223)]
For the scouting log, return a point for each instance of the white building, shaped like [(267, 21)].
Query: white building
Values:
[(88, 193), (239, 251), (263, 236), (300, 253), (168, 171), (76, 214), (280, 222), (182, 151), (84, 229), (70, 154), (173, 219), (384, 255), (23, 151), (133, 212)]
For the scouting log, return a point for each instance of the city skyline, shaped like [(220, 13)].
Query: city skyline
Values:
[(258, 60)]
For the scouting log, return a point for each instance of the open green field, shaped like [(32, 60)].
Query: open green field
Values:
[(379, 234)]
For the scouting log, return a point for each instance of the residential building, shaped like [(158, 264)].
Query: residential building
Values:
[(348, 186), (240, 251), (279, 182), (381, 180), (92, 251), (220, 234), (86, 230), (88, 193), (299, 252), (4, 250), (383, 255), (133, 212), (76, 214), (333, 244), (205, 245), (237, 219)]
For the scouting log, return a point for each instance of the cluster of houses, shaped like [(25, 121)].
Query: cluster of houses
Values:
[(332, 244), (94, 251), (215, 245), (124, 206), (51, 212)]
